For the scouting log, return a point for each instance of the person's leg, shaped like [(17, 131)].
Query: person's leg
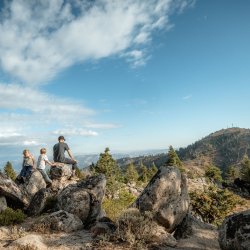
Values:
[(73, 163), (23, 171), (45, 176), (28, 171)]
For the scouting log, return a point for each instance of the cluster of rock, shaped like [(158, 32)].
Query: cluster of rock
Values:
[(72, 205)]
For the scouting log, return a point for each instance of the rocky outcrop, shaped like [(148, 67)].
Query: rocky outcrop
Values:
[(19, 196), (61, 171), (15, 197), (234, 233), (60, 221), (42, 200), (31, 241), (33, 184), (3, 204), (84, 198), (166, 197), (104, 226), (195, 234)]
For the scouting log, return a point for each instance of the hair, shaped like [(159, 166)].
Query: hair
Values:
[(42, 150), (25, 151)]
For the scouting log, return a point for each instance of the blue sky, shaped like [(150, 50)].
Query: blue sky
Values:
[(131, 75)]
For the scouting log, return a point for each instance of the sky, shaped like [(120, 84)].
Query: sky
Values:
[(124, 74)]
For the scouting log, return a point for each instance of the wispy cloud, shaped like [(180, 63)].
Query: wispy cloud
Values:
[(29, 115), (41, 38), (75, 131), (187, 97)]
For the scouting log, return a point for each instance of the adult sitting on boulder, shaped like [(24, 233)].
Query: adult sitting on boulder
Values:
[(58, 153)]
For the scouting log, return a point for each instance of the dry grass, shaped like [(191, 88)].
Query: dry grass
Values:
[(41, 227), (16, 232), (26, 247)]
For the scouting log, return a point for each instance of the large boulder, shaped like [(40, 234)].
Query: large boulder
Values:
[(42, 200), (60, 221), (84, 199), (3, 203), (234, 233), (195, 234), (33, 184), (166, 197), (61, 171), (14, 195)]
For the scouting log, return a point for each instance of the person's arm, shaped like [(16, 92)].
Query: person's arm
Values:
[(33, 160), (50, 163), (47, 161), (70, 154)]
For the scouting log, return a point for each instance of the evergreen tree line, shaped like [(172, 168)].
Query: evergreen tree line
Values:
[(140, 173)]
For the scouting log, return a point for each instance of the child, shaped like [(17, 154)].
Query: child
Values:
[(28, 164), (41, 164)]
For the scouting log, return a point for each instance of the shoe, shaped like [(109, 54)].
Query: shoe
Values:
[(49, 185)]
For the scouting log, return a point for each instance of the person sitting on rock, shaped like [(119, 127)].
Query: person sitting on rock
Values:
[(41, 164), (58, 153), (27, 166)]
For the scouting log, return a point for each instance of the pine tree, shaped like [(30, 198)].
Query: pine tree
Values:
[(143, 172), (108, 166), (245, 169), (131, 174), (174, 160), (9, 171), (152, 171)]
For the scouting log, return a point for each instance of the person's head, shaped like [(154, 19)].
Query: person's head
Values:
[(61, 138), (26, 153), (43, 151)]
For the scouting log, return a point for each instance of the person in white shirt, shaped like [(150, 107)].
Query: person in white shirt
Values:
[(41, 164)]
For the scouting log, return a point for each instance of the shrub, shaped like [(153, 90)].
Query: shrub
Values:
[(213, 204), (214, 173), (245, 169), (80, 174), (135, 228), (114, 207), (232, 173), (10, 217)]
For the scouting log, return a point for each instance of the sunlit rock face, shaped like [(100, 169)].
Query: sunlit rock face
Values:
[(166, 196)]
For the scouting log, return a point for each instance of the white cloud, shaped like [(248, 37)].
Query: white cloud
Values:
[(14, 97), (29, 116), (75, 131), (43, 37)]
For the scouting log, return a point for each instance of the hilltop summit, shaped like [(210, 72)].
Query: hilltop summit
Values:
[(222, 148)]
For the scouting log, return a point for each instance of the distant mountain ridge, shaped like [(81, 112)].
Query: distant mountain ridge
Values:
[(222, 148)]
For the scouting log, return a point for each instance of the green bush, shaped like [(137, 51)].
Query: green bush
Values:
[(213, 204), (10, 217), (114, 207), (214, 173), (245, 169)]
